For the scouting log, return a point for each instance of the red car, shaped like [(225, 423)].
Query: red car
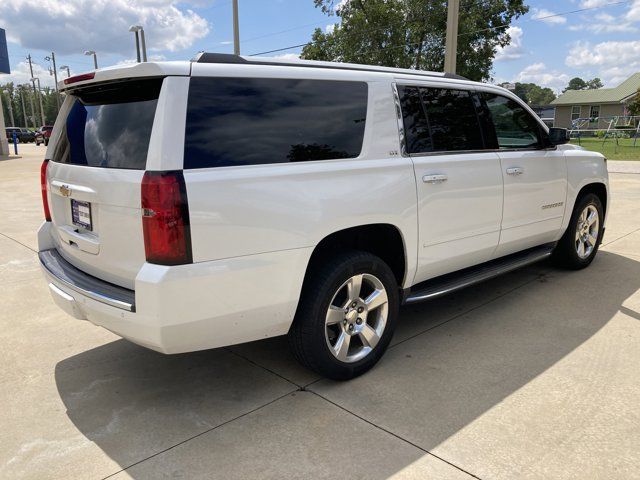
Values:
[(43, 134)]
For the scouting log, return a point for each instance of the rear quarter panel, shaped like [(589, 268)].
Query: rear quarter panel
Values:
[(247, 210)]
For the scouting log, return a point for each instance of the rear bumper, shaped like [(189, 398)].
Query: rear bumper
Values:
[(66, 275), (187, 307)]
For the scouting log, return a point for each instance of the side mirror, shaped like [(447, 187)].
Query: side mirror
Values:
[(558, 136)]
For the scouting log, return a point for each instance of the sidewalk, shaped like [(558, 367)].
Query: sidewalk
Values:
[(623, 166)]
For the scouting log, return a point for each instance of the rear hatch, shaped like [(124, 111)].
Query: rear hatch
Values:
[(95, 175)]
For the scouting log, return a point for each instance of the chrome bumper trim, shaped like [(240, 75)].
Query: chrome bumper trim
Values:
[(65, 274)]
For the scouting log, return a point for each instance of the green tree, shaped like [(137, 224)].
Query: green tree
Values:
[(410, 33), (534, 94), (33, 117), (634, 104), (594, 83), (577, 83)]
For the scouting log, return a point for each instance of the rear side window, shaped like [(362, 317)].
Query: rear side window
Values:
[(514, 126), (109, 125), (250, 121), (451, 118)]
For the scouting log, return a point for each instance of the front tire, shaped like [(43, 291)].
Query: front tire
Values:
[(578, 246), (346, 316)]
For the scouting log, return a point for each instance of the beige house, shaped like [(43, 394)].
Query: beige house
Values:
[(598, 105)]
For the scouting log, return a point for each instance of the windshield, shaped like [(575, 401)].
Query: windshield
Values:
[(109, 125)]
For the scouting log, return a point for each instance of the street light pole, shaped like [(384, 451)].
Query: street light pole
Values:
[(95, 57), (236, 29), (65, 67), (34, 91), (451, 42), (138, 30), (143, 44), (10, 105)]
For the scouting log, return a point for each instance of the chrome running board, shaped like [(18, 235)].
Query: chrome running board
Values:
[(451, 282)]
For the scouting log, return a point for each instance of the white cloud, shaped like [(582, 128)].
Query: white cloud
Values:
[(593, 3), (340, 4), (515, 48), (605, 23), (546, 16), (288, 56), (20, 74), (538, 73), (614, 61), (73, 26), (633, 15)]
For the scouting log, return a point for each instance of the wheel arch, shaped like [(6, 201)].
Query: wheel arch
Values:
[(384, 240)]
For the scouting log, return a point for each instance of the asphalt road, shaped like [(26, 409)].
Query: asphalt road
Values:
[(531, 375)]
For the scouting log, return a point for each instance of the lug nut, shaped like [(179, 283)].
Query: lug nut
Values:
[(360, 309), (359, 321), (353, 305), (351, 327), (344, 322)]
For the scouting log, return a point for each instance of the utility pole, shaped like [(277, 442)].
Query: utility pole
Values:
[(33, 108), (236, 29), (34, 91), (10, 105), (24, 110), (451, 42), (40, 100), (54, 72)]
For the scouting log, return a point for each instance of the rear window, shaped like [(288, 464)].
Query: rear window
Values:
[(109, 125), (249, 121)]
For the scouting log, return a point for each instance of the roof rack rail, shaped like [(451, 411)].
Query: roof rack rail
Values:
[(229, 58)]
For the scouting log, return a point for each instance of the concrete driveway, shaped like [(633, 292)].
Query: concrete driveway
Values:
[(532, 375)]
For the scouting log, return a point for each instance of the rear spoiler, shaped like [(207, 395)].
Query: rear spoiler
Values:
[(121, 72)]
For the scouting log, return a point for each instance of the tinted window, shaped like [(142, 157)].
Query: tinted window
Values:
[(437, 120), (452, 119), (248, 121), (416, 127), (110, 125), (514, 126)]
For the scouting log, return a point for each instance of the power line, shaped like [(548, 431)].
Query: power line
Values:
[(500, 27)]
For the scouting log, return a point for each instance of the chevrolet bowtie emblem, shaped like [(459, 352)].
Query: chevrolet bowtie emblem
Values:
[(65, 191)]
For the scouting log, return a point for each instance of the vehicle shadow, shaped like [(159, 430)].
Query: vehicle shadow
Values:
[(133, 403)]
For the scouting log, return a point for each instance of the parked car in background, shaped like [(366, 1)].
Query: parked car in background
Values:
[(198, 205), (43, 134), (24, 135)]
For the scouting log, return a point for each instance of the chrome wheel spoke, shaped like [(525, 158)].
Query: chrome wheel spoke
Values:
[(347, 318), (354, 286), (593, 217), (591, 240), (369, 336), (334, 315), (580, 248), (341, 348), (376, 299)]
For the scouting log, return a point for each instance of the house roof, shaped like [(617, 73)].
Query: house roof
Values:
[(600, 95)]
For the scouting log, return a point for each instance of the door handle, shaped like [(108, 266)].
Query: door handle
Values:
[(515, 171), (434, 178)]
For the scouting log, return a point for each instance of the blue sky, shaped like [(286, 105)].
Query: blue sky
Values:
[(548, 50)]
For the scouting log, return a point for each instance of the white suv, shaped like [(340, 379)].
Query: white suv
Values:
[(192, 205)]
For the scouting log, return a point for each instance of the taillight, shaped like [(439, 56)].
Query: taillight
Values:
[(43, 189), (79, 78), (165, 218)]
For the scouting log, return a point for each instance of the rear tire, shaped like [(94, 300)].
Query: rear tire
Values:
[(578, 246), (346, 315)]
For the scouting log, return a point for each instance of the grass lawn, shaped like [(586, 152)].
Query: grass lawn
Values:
[(622, 150)]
